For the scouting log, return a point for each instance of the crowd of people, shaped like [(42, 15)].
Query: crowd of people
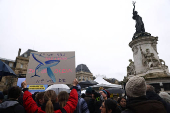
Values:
[(139, 98)]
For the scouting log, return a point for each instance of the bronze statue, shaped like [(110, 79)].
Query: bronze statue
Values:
[(139, 23)]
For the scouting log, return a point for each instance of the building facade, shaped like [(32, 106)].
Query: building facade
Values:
[(83, 73), (19, 66)]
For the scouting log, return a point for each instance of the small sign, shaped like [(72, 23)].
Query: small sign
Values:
[(51, 68), (36, 87)]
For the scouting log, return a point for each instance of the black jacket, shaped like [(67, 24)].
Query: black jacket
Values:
[(154, 96), (94, 106), (11, 106), (143, 105)]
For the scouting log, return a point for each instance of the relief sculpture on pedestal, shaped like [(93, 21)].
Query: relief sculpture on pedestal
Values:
[(149, 60)]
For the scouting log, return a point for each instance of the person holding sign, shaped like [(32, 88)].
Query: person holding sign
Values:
[(50, 104)]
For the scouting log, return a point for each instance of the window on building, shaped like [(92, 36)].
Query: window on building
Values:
[(80, 78), (83, 79), (26, 66), (25, 55), (10, 64), (6, 82), (166, 86), (21, 66), (89, 78), (7, 62)]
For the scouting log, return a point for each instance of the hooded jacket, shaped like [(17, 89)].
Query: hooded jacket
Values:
[(11, 106), (81, 105), (31, 106)]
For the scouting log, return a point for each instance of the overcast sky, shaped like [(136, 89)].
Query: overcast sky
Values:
[(99, 31)]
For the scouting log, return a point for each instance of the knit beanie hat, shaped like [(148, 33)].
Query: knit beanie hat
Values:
[(104, 91), (108, 93), (89, 90), (136, 87)]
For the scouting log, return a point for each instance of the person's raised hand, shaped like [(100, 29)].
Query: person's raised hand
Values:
[(24, 84), (75, 82)]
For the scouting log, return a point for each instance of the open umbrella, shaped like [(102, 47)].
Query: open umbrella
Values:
[(105, 86), (116, 90), (5, 70), (87, 83), (58, 88)]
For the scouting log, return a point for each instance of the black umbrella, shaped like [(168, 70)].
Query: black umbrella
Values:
[(5, 70), (87, 83), (116, 90)]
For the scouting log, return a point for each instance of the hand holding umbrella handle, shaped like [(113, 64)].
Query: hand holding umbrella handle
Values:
[(24, 84), (75, 82)]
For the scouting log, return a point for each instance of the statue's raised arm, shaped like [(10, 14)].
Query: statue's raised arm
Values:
[(134, 6)]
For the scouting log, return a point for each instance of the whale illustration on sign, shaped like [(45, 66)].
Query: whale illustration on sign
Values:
[(45, 65)]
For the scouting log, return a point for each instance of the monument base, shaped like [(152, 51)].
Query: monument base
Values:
[(147, 63), (159, 80)]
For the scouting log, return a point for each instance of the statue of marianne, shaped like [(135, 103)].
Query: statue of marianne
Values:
[(139, 23)]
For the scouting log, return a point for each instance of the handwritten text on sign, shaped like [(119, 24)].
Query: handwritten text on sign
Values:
[(51, 67), (55, 71)]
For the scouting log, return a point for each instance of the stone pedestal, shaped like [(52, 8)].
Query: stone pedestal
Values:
[(148, 64), (146, 59)]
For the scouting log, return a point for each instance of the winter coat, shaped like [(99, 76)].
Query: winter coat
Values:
[(31, 106), (154, 96), (87, 98), (142, 105), (120, 108), (94, 106), (81, 105), (91, 105), (11, 106)]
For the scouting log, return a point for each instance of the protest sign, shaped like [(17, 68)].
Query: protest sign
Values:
[(51, 68)]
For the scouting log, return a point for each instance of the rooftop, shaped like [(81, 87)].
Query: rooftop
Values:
[(82, 67), (27, 53)]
